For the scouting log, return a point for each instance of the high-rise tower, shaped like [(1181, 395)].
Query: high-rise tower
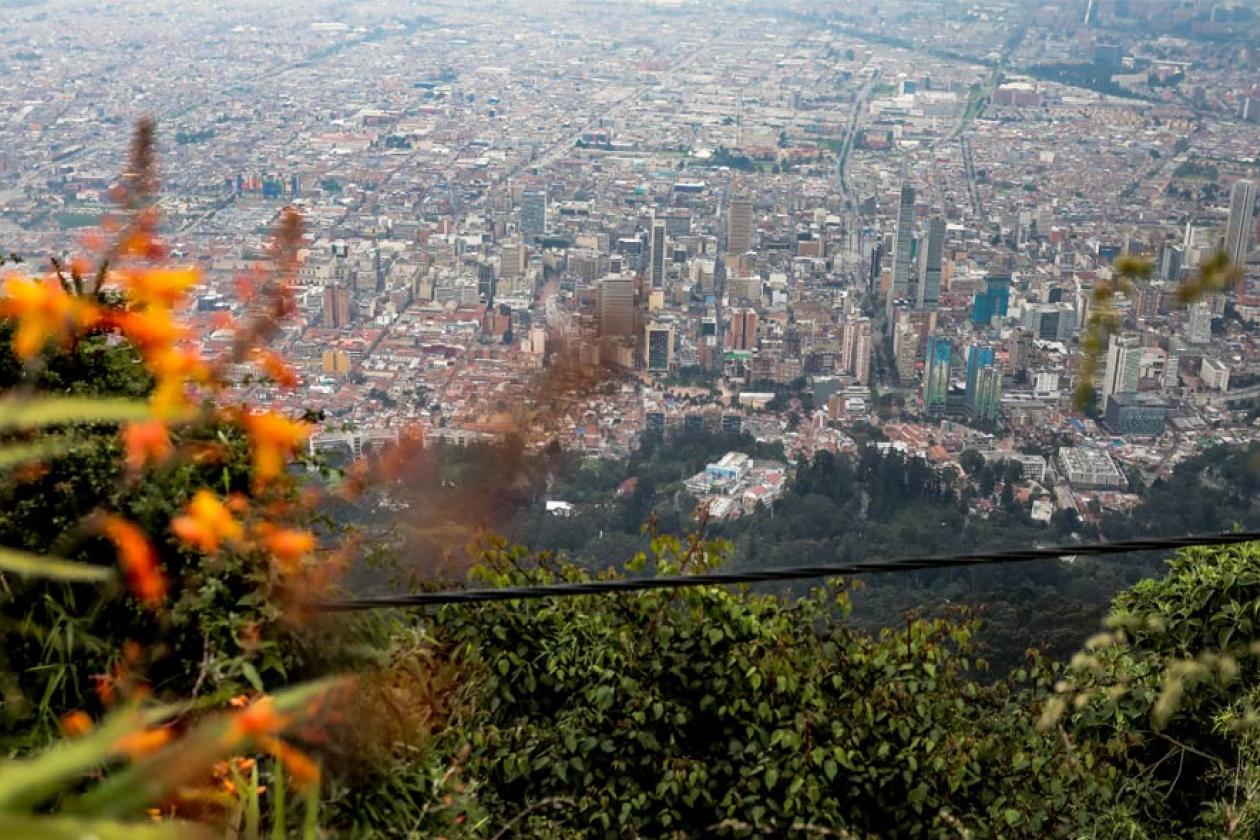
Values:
[(534, 212), (1242, 203), (658, 347), (1121, 375), (903, 244), (936, 375), (616, 306), (656, 254), (930, 273), (739, 226)]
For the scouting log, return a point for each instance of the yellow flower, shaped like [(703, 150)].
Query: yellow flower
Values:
[(159, 287), (207, 523), (287, 545), (273, 439), (45, 312)]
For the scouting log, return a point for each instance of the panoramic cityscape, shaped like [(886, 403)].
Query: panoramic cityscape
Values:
[(827, 281), (900, 212)]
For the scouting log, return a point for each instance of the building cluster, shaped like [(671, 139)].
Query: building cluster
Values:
[(778, 221), (736, 485)]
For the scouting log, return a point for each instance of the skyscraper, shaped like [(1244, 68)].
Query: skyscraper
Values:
[(658, 347), (993, 302), (986, 401), (739, 226), (616, 306), (903, 245), (743, 331), (1171, 258), (336, 308), (983, 383), (936, 375), (1199, 329), (1019, 350), (514, 259), (978, 356), (1242, 203), (534, 212), (656, 254), (1121, 374), (930, 271), (855, 349)]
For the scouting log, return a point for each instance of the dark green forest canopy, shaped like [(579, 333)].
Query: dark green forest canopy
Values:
[(840, 508)]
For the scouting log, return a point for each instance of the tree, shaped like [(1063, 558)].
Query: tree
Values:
[(971, 461)]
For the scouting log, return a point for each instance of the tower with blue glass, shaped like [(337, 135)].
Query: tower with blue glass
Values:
[(993, 302), (936, 375)]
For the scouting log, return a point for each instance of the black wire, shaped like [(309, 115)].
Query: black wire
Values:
[(599, 587)]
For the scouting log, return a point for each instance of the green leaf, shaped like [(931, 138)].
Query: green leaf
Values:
[(22, 414), (772, 776), (251, 675), (830, 768), (27, 564), (1011, 815)]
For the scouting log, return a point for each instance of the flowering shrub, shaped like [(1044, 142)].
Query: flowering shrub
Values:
[(116, 438)]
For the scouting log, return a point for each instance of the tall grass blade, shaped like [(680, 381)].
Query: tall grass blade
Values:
[(29, 827), (278, 820), (22, 414), (26, 564)]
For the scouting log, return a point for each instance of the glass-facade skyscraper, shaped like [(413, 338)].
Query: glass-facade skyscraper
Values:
[(936, 375)]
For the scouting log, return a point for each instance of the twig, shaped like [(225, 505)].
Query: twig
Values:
[(542, 803), (804, 828), (205, 666), (1181, 762), (1067, 746), (1190, 749)]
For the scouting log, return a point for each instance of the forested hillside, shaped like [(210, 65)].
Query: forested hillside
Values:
[(839, 508)]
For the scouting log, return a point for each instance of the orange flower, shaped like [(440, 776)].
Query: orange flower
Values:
[(138, 559), (273, 438), (174, 367), (159, 287), (106, 688), (257, 720), (276, 368), (207, 523), (143, 742), (44, 312), (149, 329), (182, 362), (76, 723), (289, 546), (145, 442), (301, 768)]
